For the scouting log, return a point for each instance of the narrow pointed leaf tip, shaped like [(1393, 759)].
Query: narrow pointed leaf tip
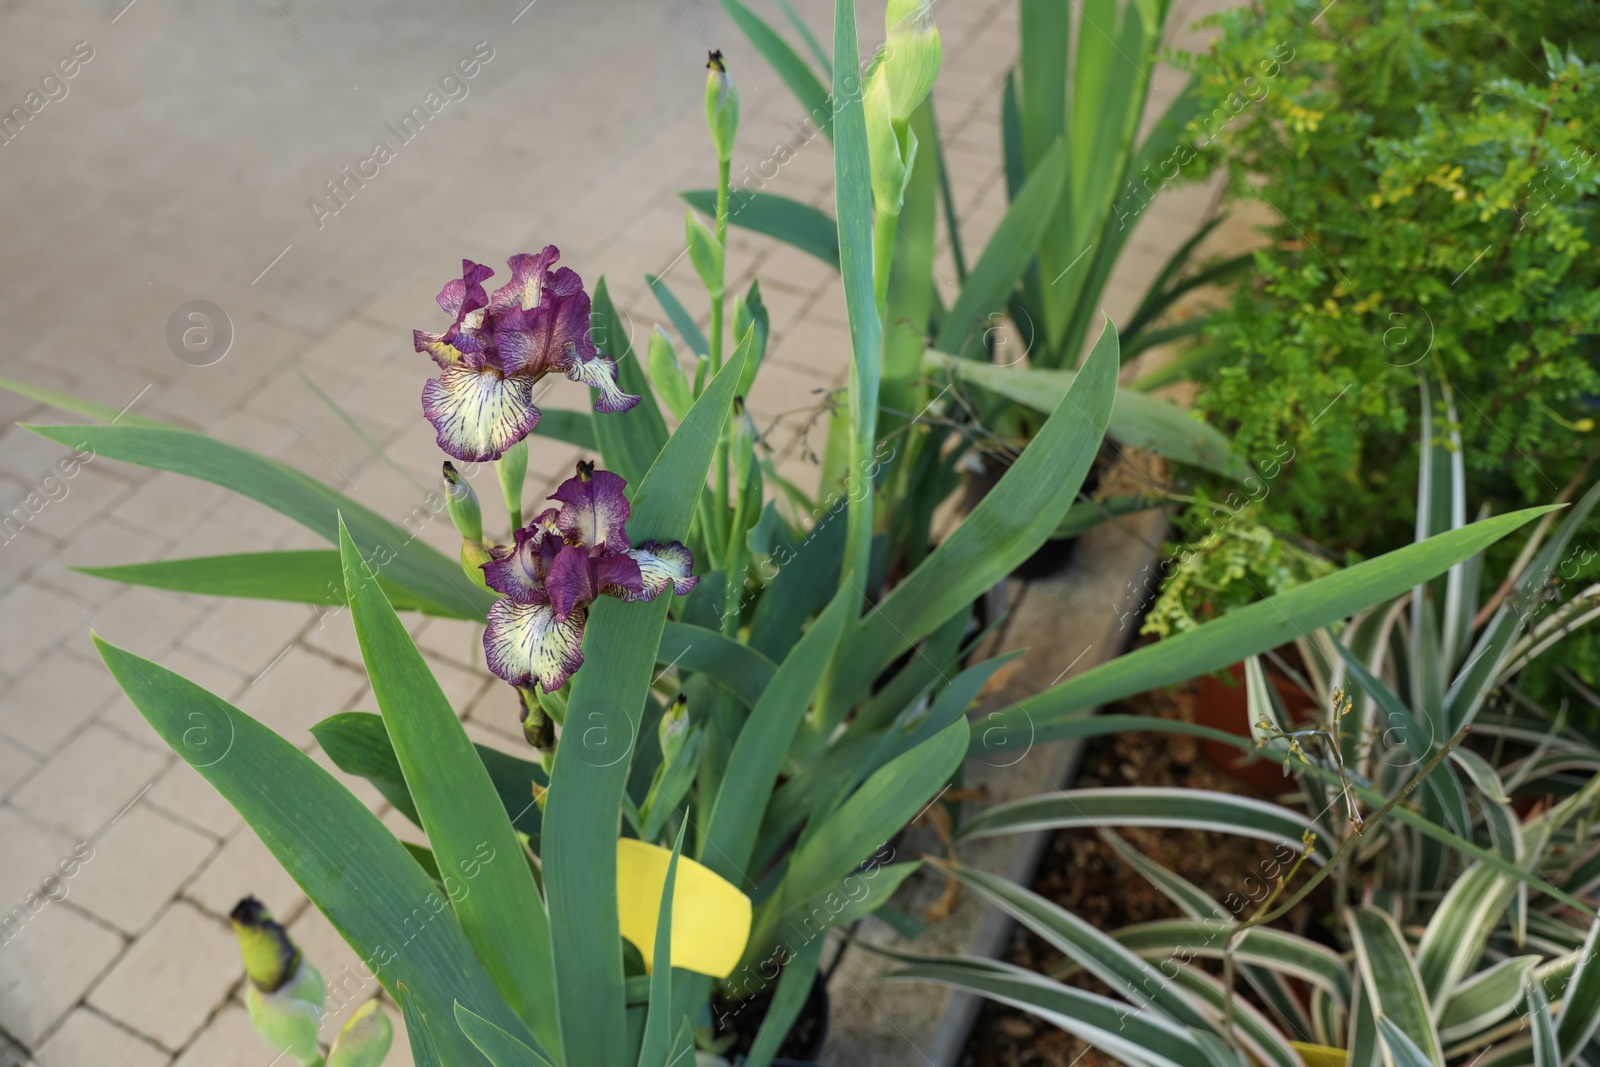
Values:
[(710, 917)]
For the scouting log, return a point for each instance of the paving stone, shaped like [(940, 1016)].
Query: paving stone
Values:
[(169, 503), (229, 1040), (172, 978), (299, 691), (147, 621), (457, 640), (32, 852), (88, 1039), (52, 700), (33, 616), (15, 765), (46, 966), (814, 346), (244, 867), (137, 865), (182, 792), (247, 635), (76, 502), (83, 786)]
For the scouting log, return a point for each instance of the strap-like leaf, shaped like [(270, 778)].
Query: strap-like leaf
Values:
[(1389, 977), (347, 862), (1137, 419), (305, 576), (591, 765), (757, 756), (1011, 523), (794, 71), (658, 1029), (796, 224), (1114, 1027), (1008, 252), (400, 555), (502, 1048), (629, 440), (358, 744), (1197, 809), (1580, 1010), (498, 904), (1245, 631)]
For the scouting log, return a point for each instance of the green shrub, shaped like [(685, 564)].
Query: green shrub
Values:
[(1432, 168)]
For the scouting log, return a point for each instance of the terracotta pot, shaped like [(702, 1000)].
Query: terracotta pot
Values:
[(1226, 707)]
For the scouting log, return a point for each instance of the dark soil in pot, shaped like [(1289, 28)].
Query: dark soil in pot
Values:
[(1081, 872), (803, 1046)]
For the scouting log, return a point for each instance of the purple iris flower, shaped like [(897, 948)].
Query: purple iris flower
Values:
[(499, 346), (556, 567)]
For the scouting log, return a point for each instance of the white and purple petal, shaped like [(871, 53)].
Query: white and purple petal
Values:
[(477, 413), (661, 565), (594, 510), (518, 570), (525, 643), (600, 374)]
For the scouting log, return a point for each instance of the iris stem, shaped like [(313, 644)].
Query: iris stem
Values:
[(884, 229), (723, 499)]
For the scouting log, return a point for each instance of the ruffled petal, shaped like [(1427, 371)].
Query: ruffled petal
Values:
[(529, 274), (600, 374), (518, 570), (594, 511), (570, 581), (443, 352), (478, 414), (617, 574), (552, 335), (464, 294), (661, 565), (525, 643)]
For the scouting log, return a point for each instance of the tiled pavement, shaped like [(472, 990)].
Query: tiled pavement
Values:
[(178, 166)]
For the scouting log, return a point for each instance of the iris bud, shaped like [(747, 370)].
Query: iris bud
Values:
[(666, 374), (722, 106), (674, 728), (463, 504), (912, 54), (284, 994), (512, 470)]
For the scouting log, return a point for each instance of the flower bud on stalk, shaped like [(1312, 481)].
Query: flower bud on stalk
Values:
[(722, 106), (463, 504), (673, 729), (911, 57), (285, 993), (468, 519), (512, 469)]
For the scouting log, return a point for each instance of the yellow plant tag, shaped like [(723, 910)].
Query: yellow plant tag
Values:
[(710, 917), (1319, 1055)]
